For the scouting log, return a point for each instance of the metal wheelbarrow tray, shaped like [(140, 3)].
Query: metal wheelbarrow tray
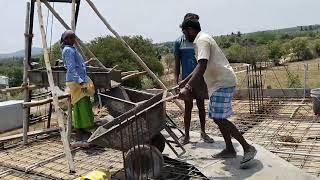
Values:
[(100, 77), (138, 117)]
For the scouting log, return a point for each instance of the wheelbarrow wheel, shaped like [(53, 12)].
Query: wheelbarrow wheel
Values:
[(159, 142), (143, 161)]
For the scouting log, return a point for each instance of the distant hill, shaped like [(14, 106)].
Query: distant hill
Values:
[(308, 28), (293, 30), (299, 30), (18, 54)]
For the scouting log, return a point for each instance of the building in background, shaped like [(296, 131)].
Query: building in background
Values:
[(4, 82)]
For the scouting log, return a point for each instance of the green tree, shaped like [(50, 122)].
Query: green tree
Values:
[(275, 51), (317, 47), (55, 52), (262, 53), (223, 41), (235, 53), (300, 48), (14, 71), (111, 53), (239, 34)]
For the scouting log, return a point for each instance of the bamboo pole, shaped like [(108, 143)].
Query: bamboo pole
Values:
[(133, 75), (294, 153), (69, 119), (73, 12), (43, 101), (26, 111), (53, 88), (20, 88), (292, 144), (134, 54), (79, 43)]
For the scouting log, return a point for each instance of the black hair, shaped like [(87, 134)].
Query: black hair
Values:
[(191, 23), (191, 16)]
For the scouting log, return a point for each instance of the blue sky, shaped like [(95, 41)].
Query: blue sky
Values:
[(159, 20)]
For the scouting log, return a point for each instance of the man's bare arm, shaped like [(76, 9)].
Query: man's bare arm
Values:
[(177, 69)]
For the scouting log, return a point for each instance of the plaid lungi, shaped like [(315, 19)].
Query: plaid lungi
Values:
[(220, 105)]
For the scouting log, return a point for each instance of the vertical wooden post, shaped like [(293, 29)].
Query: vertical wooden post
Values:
[(305, 80), (30, 31), (73, 15), (134, 54), (25, 78), (8, 92), (30, 38), (49, 116), (69, 119), (77, 12), (53, 88)]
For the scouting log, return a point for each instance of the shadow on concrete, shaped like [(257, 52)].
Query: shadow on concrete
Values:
[(236, 172), (216, 145)]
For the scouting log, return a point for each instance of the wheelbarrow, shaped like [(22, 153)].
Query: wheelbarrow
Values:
[(135, 130)]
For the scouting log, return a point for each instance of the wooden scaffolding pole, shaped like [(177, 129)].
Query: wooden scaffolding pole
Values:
[(79, 44), (53, 88), (25, 78), (135, 55), (73, 16)]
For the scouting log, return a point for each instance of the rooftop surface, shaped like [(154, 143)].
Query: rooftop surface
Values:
[(285, 131), (287, 127), (265, 166)]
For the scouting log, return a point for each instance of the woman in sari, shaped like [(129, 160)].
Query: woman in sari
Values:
[(79, 84)]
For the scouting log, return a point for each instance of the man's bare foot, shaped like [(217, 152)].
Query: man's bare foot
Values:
[(185, 140), (226, 154), (206, 138)]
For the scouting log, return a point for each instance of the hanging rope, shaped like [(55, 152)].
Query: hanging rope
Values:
[(51, 54), (47, 106), (51, 30)]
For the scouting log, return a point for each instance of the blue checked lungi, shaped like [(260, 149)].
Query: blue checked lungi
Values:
[(220, 105)]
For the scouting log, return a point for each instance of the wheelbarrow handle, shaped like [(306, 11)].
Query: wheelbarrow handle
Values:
[(173, 88), (169, 98)]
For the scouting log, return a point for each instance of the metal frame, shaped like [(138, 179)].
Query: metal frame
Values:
[(30, 34)]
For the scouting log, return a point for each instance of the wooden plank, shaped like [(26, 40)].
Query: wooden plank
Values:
[(44, 101), (20, 88), (53, 88), (73, 18), (26, 112), (69, 119), (32, 133)]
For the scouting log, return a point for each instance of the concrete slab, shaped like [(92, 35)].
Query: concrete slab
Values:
[(11, 115), (266, 165)]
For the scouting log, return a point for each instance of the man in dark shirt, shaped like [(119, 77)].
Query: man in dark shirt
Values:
[(185, 58)]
